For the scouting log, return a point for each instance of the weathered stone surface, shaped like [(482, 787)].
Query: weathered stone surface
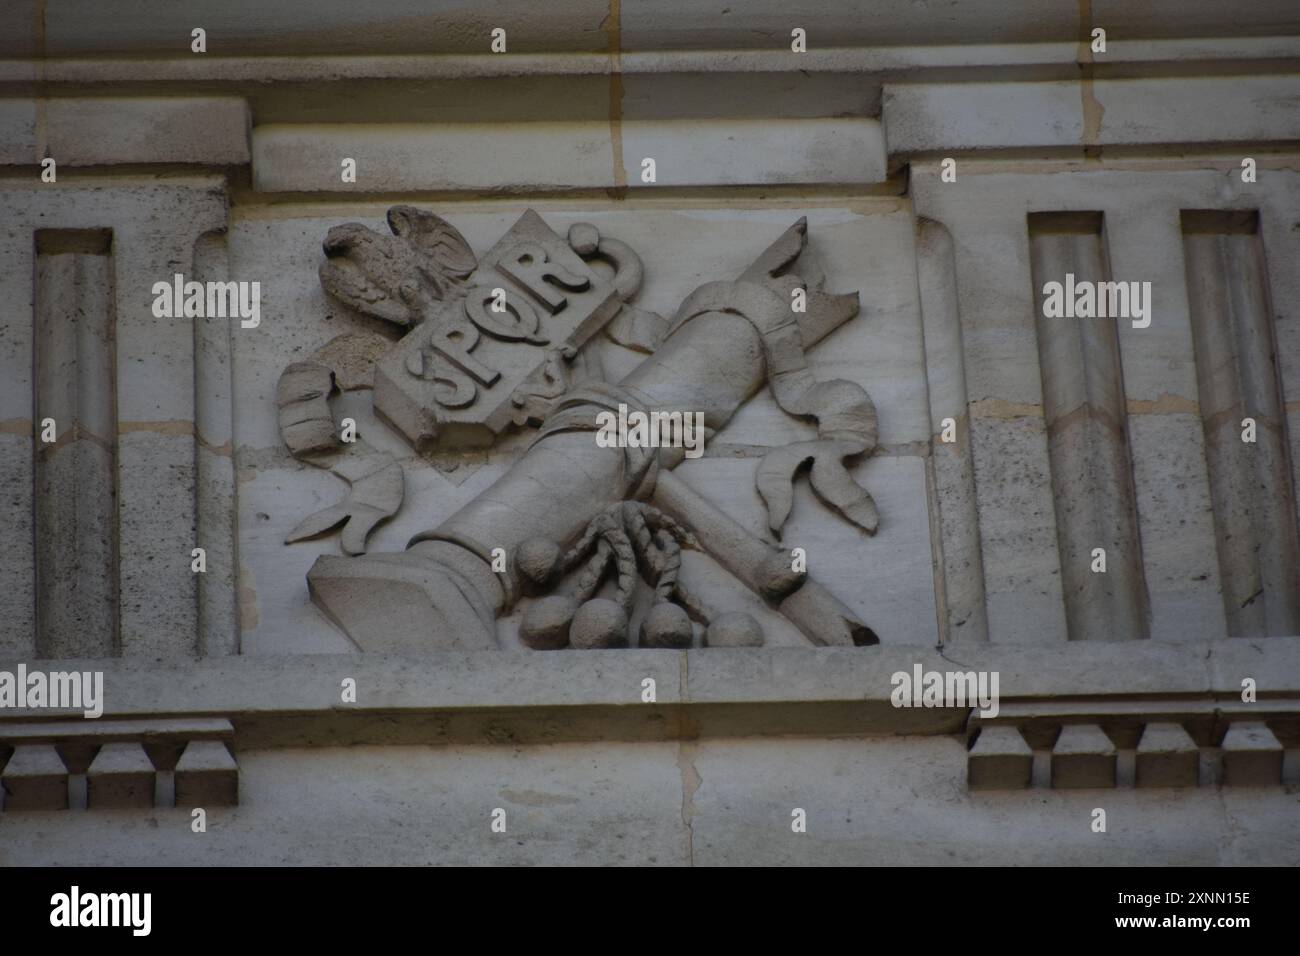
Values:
[(156, 522), (955, 511), (1087, 440), (1022, 565), (1177, 526), (212, 131), (150, 423), (1250, 482), (17, 570), (76, 487), (18, 131), (1144, 241)]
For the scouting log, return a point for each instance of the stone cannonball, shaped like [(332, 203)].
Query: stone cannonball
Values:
[(666, 625), (600, 622), (546, 622)]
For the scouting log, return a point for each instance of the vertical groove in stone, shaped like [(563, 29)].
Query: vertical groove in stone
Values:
[(1236, 372), (964, 614), (76, 515), (216, 506), (1084, 406)]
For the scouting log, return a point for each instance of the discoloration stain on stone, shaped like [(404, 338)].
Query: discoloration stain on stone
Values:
[(174, 427), (1233, 416), (64, 436), (535, 798), (691, 781), (1166, 404), (1093, 110), (1000, 408), (687, 735), (1086, 413), (915, 449), (248, 607), (1038, 167), (613, 27), (42, 125), (225, 450)]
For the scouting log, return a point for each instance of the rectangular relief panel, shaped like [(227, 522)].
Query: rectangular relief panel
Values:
[(1084, 406), (76, 473), (1243, 415)]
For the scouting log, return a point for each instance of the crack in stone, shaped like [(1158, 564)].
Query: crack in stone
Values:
[(686, 748)]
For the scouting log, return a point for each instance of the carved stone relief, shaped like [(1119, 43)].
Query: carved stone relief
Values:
[(584, 533)]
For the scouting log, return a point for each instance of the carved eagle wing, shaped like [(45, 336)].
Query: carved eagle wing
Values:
[(438, 244)]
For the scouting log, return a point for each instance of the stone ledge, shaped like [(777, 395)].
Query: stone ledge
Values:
[(453, 156), (515, 697), (925, 118), (1013, 61), (210, 130), (108, 131), (78, 27)]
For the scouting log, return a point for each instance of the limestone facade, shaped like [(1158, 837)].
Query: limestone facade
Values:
[(474, 635)]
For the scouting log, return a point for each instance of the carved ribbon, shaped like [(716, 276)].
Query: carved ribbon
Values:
[(578, 410), (632, 327), (307, 426), (845, 415)]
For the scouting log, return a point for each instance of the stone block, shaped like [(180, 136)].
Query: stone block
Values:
[(206, 776), (35, 779), (1167, 757), (1000, 760), (1083, 758), (1252, 755), (98, 131), (120, 777)]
